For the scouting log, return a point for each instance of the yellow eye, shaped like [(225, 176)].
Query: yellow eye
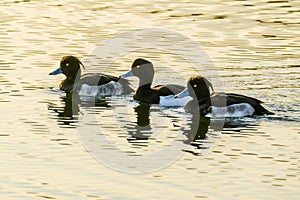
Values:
[(195, 86), (67, 64), (138, 66)]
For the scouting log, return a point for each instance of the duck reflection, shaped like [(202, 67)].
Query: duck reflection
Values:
[(199, 126), (68, 111), (142, 129), (197, 135), (195, 132)]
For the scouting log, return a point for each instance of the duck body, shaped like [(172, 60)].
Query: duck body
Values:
[(91, 84), (154, 95), (227, 105), (144, 70), (219, 104)]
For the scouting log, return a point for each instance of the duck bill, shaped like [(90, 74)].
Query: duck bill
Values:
[(184, 93), (55, 72), (126, 75)]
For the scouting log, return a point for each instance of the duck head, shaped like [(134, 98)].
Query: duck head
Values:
[(198, 87), (70, 67), (143, 69)]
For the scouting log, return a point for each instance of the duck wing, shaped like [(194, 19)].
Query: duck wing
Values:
[(170, 89), (232, 97), (218, 99), (221, 99), (95, 79)]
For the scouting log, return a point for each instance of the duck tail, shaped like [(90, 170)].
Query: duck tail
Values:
[(268, 112), (260, 110)]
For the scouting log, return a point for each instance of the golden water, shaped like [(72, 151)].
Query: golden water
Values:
[(255, 46)]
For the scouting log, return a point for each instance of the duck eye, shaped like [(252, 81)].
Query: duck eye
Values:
[(195, 86), (138, 66), (67, 64)]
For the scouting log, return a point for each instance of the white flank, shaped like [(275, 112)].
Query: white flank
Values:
[(236, 110), (170, 101), (111, 88)]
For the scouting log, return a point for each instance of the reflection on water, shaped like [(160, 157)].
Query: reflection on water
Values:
[(142, 130), (198, 128), (254, 44), (144, 134), (152, 127), (197, 133), (194, 131), (67, 112)]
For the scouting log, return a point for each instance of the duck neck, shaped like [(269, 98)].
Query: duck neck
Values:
[(74, 77), (146, 81), (203, 100), (145, 86)]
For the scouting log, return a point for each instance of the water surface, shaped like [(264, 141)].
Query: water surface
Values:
[(254, 45)]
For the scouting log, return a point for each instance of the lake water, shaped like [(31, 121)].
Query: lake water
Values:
[(55, 146)]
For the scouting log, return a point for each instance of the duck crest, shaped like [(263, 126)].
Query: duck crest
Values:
[(70, 66), (199, 88)]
